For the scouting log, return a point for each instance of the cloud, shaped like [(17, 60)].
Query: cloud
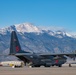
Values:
[(56, 28), (53, 28)]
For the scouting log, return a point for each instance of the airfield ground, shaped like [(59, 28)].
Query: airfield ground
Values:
[(65, 70)]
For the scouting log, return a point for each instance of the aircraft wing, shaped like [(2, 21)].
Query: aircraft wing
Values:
[(48, 54), (59, 54)]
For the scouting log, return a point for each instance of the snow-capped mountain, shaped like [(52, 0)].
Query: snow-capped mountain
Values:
[(27, 27), (38, 40), (30, 28)]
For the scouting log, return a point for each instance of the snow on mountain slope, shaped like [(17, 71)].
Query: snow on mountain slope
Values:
[(29, 28), (46, 41), (62, 34), (7, 30), (26, 27)]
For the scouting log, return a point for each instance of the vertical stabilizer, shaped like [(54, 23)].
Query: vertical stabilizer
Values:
[(14, 44)]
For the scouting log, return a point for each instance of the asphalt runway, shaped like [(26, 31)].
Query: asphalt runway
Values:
[(65, 70)]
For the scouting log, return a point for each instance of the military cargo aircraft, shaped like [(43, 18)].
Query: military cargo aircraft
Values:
[(36, 59)]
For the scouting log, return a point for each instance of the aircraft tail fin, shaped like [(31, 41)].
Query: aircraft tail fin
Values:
[(15, 45)]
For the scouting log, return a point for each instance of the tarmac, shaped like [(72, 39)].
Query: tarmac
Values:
[(65, 70)]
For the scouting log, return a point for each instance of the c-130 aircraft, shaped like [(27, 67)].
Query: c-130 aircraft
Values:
[(36, 59)]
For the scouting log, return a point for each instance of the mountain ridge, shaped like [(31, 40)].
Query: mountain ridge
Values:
[(37, 40), (29, 28)]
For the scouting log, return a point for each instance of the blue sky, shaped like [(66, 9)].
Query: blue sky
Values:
[(57, 13)]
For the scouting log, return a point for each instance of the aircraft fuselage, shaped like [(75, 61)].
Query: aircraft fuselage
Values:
[(47, 61)]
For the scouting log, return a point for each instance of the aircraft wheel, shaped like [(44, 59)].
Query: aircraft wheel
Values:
[(52, 65), (34, 66), (47, 65), (60, 65), (37, 65)]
